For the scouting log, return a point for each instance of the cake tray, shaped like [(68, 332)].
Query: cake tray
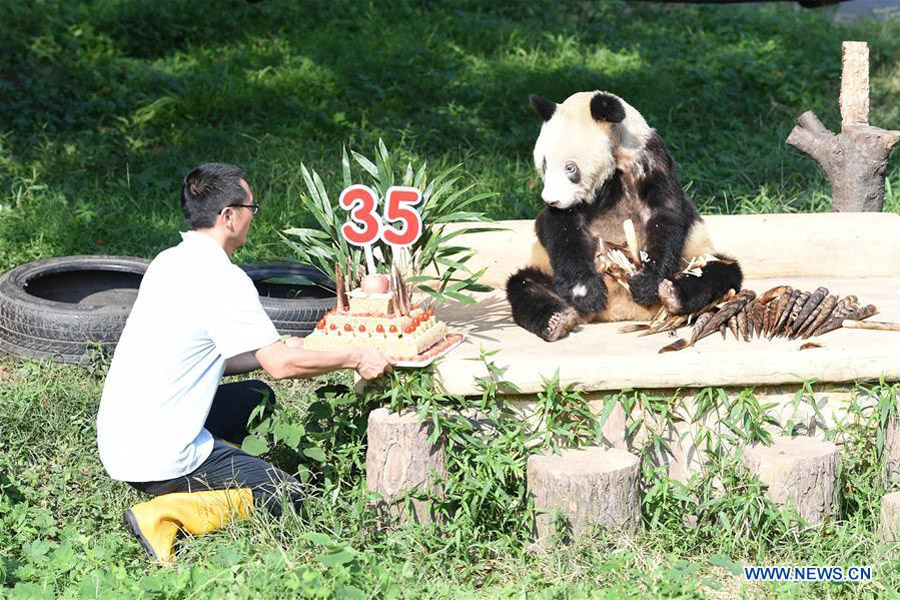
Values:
[(450, 342)]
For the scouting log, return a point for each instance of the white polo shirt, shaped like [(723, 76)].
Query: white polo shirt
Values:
[(194, 310)]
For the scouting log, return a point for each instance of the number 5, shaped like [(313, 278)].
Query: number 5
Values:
[(360, 200), (400, 201)]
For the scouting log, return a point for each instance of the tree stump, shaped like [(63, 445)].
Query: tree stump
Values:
[(891, 458), (889, 528), (800, 470), (400, 460), (588, 486), (855, 160)]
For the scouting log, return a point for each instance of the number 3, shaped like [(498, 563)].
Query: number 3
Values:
[(360, 201), (400, 202)]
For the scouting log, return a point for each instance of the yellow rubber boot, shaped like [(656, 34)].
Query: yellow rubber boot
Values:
[(155, 523), (155, 533)]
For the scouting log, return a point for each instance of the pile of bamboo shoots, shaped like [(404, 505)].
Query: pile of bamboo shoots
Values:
[(780, 312)]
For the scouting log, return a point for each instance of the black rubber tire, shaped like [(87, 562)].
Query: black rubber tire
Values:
[(32, 326), (68, 332), (292, 316)]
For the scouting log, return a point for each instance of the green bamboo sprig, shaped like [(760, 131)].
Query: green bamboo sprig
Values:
[(438, 260)]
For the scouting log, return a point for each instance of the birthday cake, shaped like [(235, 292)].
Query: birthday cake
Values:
[(378, 314)]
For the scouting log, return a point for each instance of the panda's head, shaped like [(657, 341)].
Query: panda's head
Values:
[(582, 142)]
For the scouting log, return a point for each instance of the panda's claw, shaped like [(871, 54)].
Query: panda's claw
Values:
[(560, 324)]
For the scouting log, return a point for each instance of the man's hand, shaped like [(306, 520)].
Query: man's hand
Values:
[(372, 364), (294, 342)]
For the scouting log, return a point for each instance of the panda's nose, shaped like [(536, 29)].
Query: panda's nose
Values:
[(553, 203)]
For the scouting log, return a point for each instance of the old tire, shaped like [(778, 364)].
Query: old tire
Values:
[(294, 309), (63, 308)]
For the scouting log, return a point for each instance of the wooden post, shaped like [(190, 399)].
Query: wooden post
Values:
[(854, 99), (855, 160), (588, 486), (399, 459), (800, 470), (889, 528), (891, 457)]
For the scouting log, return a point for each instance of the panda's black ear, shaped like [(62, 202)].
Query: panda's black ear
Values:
[(543, 107), (606, 107)]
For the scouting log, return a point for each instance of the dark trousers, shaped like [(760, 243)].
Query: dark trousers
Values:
[(228, 467)]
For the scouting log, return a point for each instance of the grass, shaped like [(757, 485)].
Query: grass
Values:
[(105, 105), (61, 534)]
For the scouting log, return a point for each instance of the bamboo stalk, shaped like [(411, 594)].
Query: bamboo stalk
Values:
[(340, 291), (876, 325), (631, 239)]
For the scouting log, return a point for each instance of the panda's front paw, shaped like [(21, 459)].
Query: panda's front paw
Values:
[(645, 287), (588, 296)]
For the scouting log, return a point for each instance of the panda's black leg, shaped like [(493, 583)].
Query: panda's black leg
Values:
[(685, 294), (537, 307)]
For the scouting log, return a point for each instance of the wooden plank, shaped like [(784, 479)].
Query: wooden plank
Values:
[(597, 357)]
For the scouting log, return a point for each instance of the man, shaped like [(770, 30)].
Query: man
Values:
[(165, 425)]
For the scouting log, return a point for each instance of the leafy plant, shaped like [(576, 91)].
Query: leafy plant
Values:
[(437, 262)]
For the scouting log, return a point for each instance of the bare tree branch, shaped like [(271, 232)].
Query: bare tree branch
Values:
[(810, 121), (816, 145)]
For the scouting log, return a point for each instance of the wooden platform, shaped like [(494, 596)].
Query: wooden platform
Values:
[(847, 253)]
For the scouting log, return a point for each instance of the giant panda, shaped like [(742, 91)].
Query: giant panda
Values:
[(601, 164)]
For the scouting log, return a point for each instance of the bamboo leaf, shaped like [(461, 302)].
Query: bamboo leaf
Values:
[(460, 297), (459, 266), (419, 180), (345, 167), (365, 163), (385, 168), (301, 232), (408, 175)]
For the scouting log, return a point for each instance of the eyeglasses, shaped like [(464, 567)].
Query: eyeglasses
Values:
[(253, 207)]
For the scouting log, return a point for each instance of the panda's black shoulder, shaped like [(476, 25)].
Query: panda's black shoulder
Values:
[(657, 180), (656, 155)]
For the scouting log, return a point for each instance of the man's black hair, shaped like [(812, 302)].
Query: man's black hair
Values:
[(207, 190)]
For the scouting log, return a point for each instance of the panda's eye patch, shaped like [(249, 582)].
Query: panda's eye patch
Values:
[(572, 172), (544, 166)]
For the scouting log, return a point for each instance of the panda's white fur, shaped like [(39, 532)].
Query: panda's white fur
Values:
[(601, 163)]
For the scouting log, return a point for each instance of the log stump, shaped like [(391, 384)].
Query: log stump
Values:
[(400, 460), (891, 458), (588, 486), (800, 470), (855, 159), (889, 528)]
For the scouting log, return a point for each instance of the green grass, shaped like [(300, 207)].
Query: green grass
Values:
[(105, 105), (61, 533)]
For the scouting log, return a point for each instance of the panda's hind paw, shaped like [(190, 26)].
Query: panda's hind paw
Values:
[(668, 294), (560, 323)]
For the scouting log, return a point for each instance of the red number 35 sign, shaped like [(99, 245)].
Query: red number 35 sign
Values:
[(401, 224)]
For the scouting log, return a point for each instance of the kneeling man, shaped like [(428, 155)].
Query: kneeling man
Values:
[(166, 425)]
